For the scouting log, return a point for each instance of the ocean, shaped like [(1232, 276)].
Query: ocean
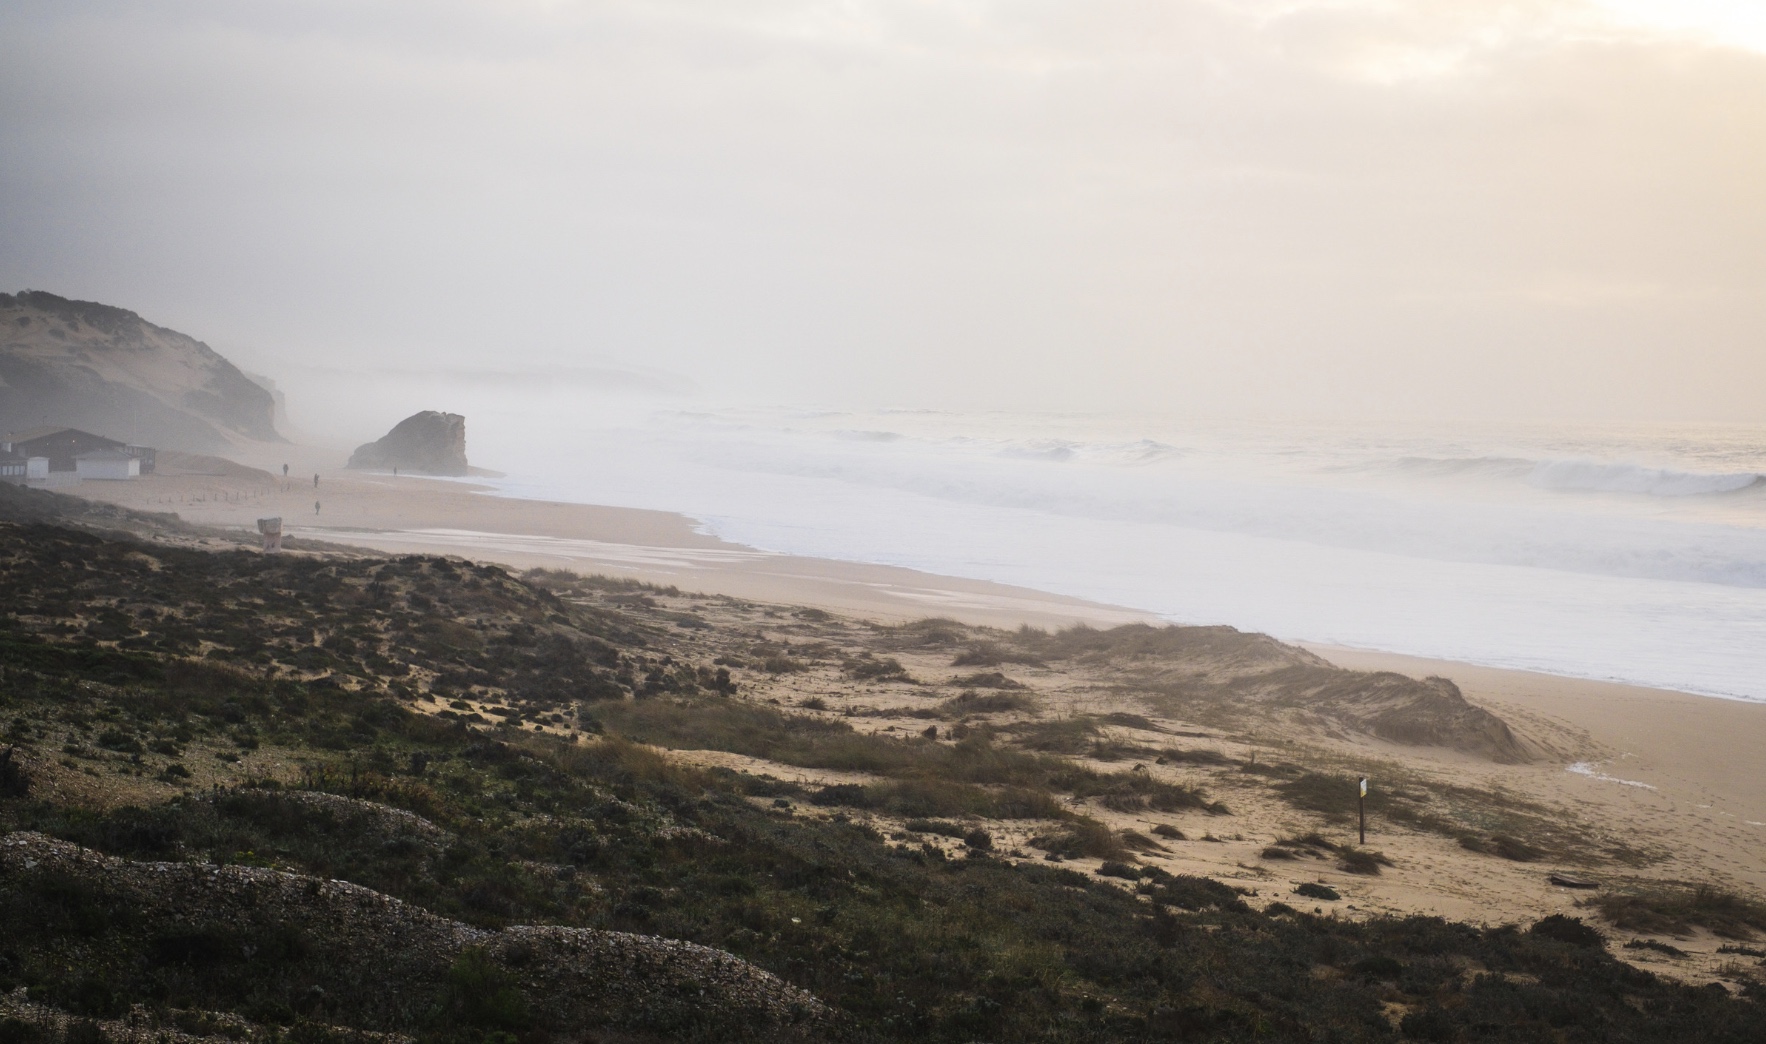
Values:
[(1626, 554)]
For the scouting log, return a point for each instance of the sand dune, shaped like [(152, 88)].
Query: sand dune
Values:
[(1653, 771)]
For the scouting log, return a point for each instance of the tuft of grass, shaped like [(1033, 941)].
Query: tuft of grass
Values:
[(987, 680), (1136, 841), (1187, 892), (1361, 861), (941, 827), (1503, 845), (966, 703), (1569, 930), (1085, 839), (1193, 756), (866, 667), (1676, 909), (1063, 736), (1314, 890), (944, 777), (782, 664), (993, 654), (1659, 947)]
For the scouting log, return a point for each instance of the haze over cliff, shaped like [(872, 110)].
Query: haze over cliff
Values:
[(107, 370), (428, 441)]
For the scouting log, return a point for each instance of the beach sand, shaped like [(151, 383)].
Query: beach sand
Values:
[(410, 515), (1675, 774)]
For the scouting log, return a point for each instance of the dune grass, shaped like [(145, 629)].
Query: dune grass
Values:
[(1676, 908), (932, 777)]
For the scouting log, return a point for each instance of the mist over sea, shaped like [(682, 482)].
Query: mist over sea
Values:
[(1636, 555)]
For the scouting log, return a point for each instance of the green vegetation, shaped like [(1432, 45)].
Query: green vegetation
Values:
[(320, 666), (1666, 908), (933, 778)]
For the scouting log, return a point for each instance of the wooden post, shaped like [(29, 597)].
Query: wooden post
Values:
[(1361, 810)]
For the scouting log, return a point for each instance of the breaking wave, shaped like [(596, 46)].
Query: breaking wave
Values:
[(1585, 476), (1591, 476)]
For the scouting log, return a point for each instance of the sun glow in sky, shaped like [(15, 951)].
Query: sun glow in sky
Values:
[(1540, 208), (1735, 23)]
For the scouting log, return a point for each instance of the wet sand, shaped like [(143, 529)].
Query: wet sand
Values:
[(409, 515)]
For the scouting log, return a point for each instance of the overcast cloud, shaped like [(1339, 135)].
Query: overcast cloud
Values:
[(1343, 208)]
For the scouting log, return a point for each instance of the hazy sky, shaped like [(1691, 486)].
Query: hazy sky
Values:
[(1357, 207)]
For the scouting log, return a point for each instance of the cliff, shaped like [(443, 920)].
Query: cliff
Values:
[(429, 442), (109, 371)]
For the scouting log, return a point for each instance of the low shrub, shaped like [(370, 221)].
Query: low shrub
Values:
[(965, 703), (875, 668), (1314, 890), (987, 680), (1569, 930), (1192, 756), (1087, 838), (1515, 849), (1659, 947), (1361, 861), (941, 827), (851, 795), (1378, 966), (14, 781), (1189, 892), (1675, 909)]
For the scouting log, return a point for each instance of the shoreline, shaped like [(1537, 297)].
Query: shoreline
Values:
[(423, 514), (1668, 768)]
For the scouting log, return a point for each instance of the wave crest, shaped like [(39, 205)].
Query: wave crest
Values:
[(1592, 476)]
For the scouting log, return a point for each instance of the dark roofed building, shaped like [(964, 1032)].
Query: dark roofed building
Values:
[(63, 446)]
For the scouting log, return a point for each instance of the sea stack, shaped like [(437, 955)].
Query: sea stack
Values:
[(429, 442)]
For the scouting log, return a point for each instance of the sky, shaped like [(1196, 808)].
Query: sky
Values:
[(1530, 209)]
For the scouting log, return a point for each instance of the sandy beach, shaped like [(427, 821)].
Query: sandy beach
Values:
[(1669, 772), (409, 515)]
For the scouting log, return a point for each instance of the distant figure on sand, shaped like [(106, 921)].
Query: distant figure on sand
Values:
[(315, 507), (315, 480), (284, 471)]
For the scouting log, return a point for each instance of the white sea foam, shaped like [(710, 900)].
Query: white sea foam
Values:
[(1607, 477), (1431, 544), (1585, 768)]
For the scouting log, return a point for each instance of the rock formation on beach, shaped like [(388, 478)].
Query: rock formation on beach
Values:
[(429, 442), (109, 371)]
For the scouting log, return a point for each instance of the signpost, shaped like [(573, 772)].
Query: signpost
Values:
[(1361, 810)]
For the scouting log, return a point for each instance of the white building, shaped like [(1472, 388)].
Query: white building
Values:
[(21, 470), (107, 464)]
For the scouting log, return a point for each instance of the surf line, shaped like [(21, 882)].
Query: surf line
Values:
[(1589, 769)]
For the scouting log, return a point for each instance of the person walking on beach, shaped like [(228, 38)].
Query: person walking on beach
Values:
[(315, 507), (315, 480), (284, 471)]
